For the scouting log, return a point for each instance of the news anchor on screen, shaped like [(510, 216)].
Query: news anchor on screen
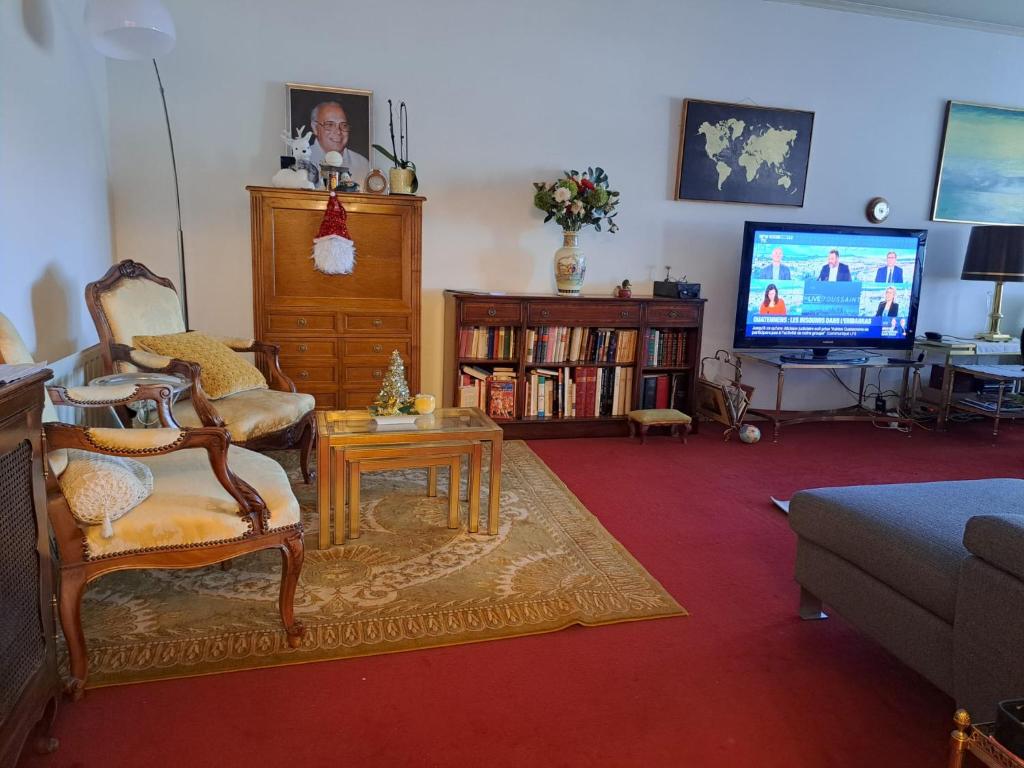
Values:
[(772, 304), (889, 307), (890, 273), (834, 270), (776, 270)]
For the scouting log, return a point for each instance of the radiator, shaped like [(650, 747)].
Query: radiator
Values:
[(74, 371)]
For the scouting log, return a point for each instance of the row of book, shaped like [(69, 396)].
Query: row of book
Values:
[(660, 390), (493, 391), (487, 342), (561, 344), (558, 393), (665, 347)]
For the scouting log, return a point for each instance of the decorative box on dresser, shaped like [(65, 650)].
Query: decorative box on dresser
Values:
[(29, 683), (337, 332), (647, 319)]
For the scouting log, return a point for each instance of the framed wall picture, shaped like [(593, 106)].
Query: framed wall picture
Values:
[(341, 120), (738, 153), (980, 177)]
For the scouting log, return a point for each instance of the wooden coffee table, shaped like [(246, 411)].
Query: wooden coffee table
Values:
[(341, 430)]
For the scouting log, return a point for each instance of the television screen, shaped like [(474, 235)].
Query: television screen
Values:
[(805, 285)]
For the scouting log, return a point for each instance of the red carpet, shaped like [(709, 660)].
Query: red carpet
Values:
[(740, 682)]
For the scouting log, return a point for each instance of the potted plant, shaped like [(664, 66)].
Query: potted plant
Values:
[(578, 200), (402, 177)]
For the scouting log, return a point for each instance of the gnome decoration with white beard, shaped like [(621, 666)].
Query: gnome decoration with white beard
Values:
[(334, 253)]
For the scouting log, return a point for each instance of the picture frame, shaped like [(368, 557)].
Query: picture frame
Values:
[(306, 104), (980, 157), (743, 153)]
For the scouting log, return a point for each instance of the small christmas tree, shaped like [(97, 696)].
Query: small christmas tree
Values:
[(394, 395)]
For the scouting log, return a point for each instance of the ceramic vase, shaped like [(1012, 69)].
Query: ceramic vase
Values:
[(401, 180), (570, 265)]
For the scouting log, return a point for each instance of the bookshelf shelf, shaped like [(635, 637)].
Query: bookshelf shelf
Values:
[(637, 329)]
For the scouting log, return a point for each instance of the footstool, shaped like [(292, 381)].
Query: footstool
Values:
[(646, 418)]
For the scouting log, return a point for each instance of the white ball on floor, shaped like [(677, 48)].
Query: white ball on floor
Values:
[(749, 433)]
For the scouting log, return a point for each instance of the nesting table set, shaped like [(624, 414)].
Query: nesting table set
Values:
[(350, 443)]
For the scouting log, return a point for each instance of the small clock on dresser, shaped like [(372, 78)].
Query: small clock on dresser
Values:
[(877, 210), (376, 182)]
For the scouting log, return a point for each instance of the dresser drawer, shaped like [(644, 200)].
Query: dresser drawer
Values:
[(584, 313), (377, 323), (367, 373), (672, 314), (326, 397), (358, 398), (492, 312), (378, 349), (300, 349), (301, 322), (304, 373)]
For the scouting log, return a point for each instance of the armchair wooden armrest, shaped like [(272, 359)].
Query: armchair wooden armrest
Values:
[(139, 443), (268, 360), (152, 363), (112, 395)]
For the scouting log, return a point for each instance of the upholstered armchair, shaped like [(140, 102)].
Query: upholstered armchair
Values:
[(210, 502), (130, 301)]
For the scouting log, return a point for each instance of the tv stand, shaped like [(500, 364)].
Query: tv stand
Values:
[(781, 363), (823, 355)]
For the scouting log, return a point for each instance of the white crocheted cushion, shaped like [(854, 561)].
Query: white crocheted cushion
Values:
[(101, 489)]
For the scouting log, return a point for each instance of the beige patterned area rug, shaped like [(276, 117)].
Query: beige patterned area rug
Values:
[(407, 583)]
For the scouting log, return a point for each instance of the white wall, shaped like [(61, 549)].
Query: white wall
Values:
[(55, 228), (501, 95)]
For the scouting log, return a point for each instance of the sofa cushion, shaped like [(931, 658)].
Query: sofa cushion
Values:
[(189, 506), (998, 540), (101, 488), (908, 536)]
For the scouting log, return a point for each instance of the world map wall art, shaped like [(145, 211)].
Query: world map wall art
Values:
[(738, 153), (981, 169)]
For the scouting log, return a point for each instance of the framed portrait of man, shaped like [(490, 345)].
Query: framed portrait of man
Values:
[(341, 121)]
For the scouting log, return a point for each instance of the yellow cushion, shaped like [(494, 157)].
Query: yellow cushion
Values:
[(251, 414), (224, 372), (189, 506), (14, 352), (659, 416)]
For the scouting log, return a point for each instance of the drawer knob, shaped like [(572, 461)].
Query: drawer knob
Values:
[(378, 348), (544, 313), (378, 323), (491, 311), (673, 314), (624, 314), (303, 374), (303, 348), (378, 373), (301, 322)]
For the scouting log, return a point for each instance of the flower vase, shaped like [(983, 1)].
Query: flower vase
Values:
[(570, 265)]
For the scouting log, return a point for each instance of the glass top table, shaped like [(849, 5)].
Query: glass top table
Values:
[(341, 430)]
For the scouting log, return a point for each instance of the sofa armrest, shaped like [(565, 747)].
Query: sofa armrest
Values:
[(998, 540)]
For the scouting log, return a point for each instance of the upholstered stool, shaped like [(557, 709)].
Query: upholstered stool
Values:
[(677, 421)]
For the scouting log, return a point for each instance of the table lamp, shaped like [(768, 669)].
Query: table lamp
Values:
[(995, 253)]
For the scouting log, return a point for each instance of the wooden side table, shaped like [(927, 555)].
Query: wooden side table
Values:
[(977, 740)]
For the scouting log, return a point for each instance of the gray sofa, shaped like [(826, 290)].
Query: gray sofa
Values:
[(932, 571)]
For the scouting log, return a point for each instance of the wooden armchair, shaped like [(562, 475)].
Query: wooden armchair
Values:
[(201, 510), (130, 301)]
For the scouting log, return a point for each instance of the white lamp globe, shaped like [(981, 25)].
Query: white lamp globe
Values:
[(130, 29)]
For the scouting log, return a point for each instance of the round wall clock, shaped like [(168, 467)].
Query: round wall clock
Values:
[(376, 182), (877, 210)]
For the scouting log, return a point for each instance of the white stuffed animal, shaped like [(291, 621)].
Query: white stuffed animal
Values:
[(303, 174)]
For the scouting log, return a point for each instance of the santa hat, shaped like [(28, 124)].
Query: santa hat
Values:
[(333, 251)]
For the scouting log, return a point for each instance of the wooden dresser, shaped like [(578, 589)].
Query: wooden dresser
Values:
[(337, 332), (29, 685)]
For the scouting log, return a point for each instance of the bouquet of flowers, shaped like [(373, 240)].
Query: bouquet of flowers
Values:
[(578, 200)]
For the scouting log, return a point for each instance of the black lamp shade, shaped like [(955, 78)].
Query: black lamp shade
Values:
[(995, 253)]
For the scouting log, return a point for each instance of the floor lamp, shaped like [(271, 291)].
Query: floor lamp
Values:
[(131, 30)]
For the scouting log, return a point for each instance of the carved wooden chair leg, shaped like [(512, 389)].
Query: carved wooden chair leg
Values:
[(306, 443), (292, 555), (684, 432), (72, 587), (643, 433)]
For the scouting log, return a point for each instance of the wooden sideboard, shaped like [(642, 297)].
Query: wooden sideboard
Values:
[(337, 332), (678, 319), (29, 684)]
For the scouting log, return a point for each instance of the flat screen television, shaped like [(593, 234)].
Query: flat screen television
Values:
[(825, 287)]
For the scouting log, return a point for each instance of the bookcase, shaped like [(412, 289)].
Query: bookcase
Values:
[(549, 366)]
